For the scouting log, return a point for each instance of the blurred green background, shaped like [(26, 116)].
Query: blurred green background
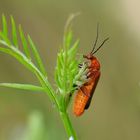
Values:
[(115, 110)]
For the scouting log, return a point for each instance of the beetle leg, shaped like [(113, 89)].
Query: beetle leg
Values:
[(76, 87), (80, 65)]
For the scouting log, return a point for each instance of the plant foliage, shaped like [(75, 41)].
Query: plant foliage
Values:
[(67, 73), (11, 47), (66, 68)]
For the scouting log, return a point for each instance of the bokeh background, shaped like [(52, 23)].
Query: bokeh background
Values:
[(115, 110)]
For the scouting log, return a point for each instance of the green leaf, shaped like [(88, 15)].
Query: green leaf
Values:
[(22, 86), (18, 55), (14, 33), (72, 51), (3, 37), (9, 48), (24, 42), (27, 63), (37, 56), (4, 32), (4, 26), (69, 37), (67, 65), (58, 80)]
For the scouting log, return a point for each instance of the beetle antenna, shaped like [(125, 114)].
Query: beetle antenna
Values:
[(100, 45), (96, 38)]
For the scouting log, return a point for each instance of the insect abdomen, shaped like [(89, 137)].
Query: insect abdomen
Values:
[(84, 95), (80, 103)]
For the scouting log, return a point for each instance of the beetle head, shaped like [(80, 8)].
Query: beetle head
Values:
[(94, 61)]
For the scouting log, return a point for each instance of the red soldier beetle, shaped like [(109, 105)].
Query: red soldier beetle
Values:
[(85, 92)]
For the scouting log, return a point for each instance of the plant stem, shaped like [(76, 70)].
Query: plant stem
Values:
[(68, 126)]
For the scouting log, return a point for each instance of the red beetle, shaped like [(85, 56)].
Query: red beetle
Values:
[(86, 91)]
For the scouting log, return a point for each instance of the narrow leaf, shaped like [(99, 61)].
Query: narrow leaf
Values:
[(37, 56), (68, 39), (58, 80), (19, 56), (26, 62), (73, 49), (5, 38), (72, 52), (22, 86), (24, 42), (4, 26), (14, 33)]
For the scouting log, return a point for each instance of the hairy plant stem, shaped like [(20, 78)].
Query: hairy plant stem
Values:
[(68, 126)]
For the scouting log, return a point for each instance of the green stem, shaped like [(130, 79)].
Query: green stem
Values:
[(68, 126)]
